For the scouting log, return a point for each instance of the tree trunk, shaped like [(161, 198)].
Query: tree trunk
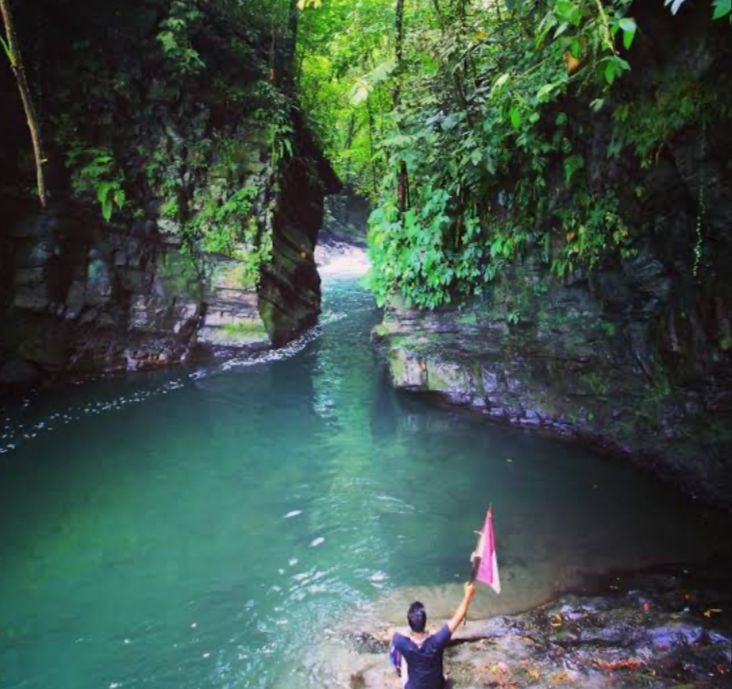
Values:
[(402, 174), (290, 46), (370, 122), (16, 64), (399, 27)]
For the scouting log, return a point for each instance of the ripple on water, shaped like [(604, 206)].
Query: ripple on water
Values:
[(185, 527), (22, 422)]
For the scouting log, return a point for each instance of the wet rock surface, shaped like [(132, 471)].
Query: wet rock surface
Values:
[(669, 628), (551, 355)]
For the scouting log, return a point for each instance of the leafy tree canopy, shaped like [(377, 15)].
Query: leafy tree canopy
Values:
[(465, 121)]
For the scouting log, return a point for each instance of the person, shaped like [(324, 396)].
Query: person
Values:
[(422, 651)]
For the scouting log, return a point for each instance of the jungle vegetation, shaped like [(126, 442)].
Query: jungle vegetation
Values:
[(464, 122)]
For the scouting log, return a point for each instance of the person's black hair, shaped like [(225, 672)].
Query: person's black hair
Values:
[(417, 617)]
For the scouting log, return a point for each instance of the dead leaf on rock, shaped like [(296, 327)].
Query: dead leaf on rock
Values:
[(712, 611), (613, 665)]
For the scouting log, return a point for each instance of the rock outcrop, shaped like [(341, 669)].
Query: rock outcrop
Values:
[(289, 290), (186, 191), (78, 297), (567, 357)]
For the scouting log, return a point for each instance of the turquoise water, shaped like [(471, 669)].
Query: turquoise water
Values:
[(200, 528)]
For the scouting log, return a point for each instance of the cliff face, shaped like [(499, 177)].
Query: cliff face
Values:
[(81, 297), (289, 291), (186, 192), (637, 354)]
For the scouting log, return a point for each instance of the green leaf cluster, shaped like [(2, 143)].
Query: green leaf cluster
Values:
[(175, 36), (229, 226), (175, 113), (495, 164), (94, 171)]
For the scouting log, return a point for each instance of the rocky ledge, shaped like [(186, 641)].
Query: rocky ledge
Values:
[(601, 358), (653, 630)]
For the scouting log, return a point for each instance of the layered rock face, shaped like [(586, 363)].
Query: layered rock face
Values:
[(289, 291), (635, 355), (186, 192), (81, 298)]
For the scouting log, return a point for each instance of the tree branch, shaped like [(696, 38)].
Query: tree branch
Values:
[(10, 45)]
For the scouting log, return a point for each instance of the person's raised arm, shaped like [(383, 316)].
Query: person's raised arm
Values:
[(462, 609)]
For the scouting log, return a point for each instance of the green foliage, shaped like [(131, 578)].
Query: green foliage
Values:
[(93, 170), (646, 124), (463, 142), (609, 328), (181, 273), (592, 226), (175, 36), (345, 83), (6, 49), (720, 8), (280, 134), (477, 113), (179, 102), (250, 328), (230, 227)]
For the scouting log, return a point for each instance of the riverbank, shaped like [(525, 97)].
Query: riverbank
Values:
[(565, 367), (661, 628)]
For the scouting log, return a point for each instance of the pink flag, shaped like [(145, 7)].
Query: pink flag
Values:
[(486, 551)]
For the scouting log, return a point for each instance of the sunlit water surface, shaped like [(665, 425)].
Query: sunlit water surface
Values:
[(206, 528)]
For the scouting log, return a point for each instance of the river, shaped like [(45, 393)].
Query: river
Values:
[(208, 527)]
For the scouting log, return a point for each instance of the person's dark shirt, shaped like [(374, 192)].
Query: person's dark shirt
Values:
[(424, 662)]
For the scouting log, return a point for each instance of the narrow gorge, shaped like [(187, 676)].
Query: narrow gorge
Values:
[(295, 295)]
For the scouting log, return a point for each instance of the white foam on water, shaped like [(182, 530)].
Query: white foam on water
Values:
[(16, 432), (270, 355), (379, 576), (341, 260), (332, 317)]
